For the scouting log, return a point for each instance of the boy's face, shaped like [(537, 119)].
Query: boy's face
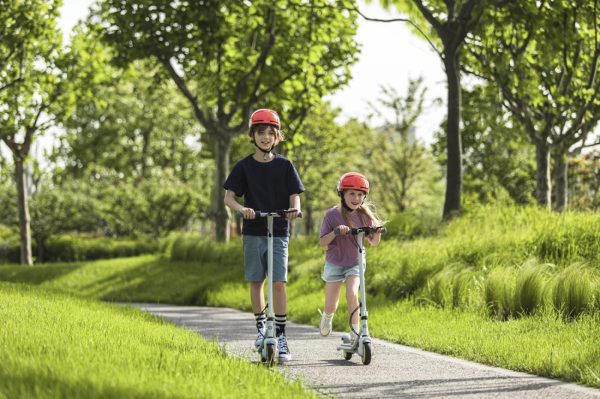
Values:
[(265, 136)]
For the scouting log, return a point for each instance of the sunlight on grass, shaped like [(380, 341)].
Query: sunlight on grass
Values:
[(512, 287), (55, 345)]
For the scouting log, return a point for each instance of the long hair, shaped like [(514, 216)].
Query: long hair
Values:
[(367, 208)]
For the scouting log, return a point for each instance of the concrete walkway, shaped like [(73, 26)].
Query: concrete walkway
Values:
[(396, 371)]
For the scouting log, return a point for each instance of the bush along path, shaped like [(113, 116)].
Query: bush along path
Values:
[(395, 370)]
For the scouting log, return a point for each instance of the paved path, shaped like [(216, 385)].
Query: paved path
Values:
[(396, 371)]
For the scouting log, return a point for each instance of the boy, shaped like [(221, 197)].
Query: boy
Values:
[(268, 182)]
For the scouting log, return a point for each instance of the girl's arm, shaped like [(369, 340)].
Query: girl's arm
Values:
[(374, 239), (327, 238)]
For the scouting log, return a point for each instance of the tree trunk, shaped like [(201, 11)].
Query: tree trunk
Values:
[(144, 156), (561, 181), (41, 252), (222, 170), (452, 202), (542, 174), (23, 206), (307, 214)]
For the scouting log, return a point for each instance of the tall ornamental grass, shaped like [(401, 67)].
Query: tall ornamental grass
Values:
[(504, 261), (576, 290)]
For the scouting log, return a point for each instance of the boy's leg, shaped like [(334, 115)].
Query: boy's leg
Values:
[(257, 299), (257, 296), (280, 298), (280, 263), (254, 272)]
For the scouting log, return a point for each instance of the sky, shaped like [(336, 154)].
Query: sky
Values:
[(390, 56)]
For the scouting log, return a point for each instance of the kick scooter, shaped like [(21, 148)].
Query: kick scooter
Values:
[(362, 345), (268, 348)]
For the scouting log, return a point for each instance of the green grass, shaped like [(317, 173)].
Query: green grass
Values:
[(139, 279), (56, 345), (516, 288), (543, 344)]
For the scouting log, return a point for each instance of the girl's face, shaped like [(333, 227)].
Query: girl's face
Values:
[(354, 198), (265, 137)]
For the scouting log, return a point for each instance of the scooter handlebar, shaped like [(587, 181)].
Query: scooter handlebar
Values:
[(279, 213), (368, 230)]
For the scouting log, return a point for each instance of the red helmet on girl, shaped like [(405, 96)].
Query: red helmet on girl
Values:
[(265, 117), (353, 181)]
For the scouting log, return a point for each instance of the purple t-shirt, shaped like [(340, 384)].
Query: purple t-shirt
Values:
[(343, 250)]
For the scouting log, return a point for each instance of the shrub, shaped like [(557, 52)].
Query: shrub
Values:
[(9, 245), (407, 226), (68, 248)]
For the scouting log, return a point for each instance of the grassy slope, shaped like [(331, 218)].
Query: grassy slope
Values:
[(543, 344), (54, 345)]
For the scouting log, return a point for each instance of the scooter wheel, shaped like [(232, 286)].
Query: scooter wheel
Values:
[(366, 356), (347, 355), (270, 358)]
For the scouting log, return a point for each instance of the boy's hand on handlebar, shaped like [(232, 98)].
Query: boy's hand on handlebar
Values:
[(292, 213), (247, 213)]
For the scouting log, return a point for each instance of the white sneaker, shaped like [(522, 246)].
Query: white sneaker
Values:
[(282, 348), (326, 323), (260, 337), (353, 339)]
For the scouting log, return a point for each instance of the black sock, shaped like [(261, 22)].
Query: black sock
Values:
[(280, 320), (260, 320)]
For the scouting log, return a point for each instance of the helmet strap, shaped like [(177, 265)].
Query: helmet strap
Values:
[(266, 153)]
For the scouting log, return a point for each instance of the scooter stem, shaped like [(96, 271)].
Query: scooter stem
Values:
[(270, 311), (363, 294)]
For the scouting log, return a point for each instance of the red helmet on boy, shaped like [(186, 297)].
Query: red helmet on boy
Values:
[(264, 116), (353, 181)]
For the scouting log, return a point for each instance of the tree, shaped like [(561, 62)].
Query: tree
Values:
[(584, 171), (228, 57), (322, 154), (544, 58), (498, 159), (31, 80), (403, 164), (450, 21)]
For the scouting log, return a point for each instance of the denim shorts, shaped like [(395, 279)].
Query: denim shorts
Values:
[(255, 258), (334, 273)]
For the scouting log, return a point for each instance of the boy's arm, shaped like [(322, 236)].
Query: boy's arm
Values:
[(230, 201), (294, 204)]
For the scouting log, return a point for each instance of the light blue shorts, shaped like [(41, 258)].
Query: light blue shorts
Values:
[(255, 258), (334, 273)]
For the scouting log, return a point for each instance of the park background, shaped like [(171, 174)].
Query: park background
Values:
[(484, 162)]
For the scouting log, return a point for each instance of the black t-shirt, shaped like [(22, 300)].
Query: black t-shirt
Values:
[(266, 187)]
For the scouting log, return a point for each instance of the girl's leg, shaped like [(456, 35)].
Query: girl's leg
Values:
[(332, 296), (352, 283)]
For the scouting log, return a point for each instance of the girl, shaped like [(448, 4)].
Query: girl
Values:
[(341, 260)]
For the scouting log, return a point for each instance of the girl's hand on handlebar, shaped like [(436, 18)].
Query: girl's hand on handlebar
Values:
[(341, 230), (247, 213)]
